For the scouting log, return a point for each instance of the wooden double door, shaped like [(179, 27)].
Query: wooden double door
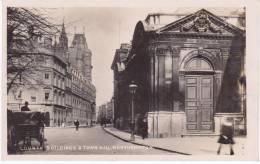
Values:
[(199, 103)]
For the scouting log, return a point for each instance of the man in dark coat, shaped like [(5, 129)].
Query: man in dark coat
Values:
[(144, 127), (25, 107), (76, 123)]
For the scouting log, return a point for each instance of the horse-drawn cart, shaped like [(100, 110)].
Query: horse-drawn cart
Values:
[(25, 131)]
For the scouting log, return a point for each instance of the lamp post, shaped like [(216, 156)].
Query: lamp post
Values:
[(93, 107), (242, 82), (132, 89)]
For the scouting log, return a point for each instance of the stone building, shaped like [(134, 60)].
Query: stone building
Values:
[(45, 90), (121, 94), (82, 97), (106, 112), (101, 113), (81, 58), (188, 73), (109, 112), (81, 92), (55, 86)]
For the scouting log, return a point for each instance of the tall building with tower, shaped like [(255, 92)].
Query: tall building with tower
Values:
[(60, 84), (80, 57)]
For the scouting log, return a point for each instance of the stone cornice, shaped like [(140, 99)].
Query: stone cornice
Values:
[(193, 35), (162, 50), (202, 21)]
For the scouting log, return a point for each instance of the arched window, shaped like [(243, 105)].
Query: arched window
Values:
[(198, 64)]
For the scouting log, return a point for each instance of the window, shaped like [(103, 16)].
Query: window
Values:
[(57, 98), (47, 76), (168, 66), (33, 98), (63, 82), (199, 64), (20, 94), (47, 95), (54, 97), (47, 61), (57, 81), (64, 99)]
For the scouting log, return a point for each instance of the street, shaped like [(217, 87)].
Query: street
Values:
[(162, 81), (62, 141)]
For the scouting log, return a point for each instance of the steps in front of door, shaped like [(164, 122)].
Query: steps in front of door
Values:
[(200, 135)]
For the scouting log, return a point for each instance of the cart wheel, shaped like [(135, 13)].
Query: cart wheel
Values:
[(11, 140)]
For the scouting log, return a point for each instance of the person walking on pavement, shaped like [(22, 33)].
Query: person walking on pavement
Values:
[(76, 123), (144, 128), (226, 135), (25, 107)]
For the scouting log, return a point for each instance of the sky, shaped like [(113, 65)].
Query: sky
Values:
[(105, 29)]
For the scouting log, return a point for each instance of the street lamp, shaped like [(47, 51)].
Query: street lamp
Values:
[(92, 111), (132, 89), (242, 82)]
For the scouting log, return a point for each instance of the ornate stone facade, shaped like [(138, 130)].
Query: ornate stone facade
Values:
[(80, 56), (56, 87), (187, 74)]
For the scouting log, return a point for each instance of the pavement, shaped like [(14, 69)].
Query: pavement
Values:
[(88, 141), (68, 126), (190, 145)]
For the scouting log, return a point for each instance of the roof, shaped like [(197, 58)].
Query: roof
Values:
[(199, 23), (202, 21), (121, 54), (157, 20), (79, 39)]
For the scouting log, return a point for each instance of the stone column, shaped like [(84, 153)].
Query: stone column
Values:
[(151, 53), (175, 78), (161, 81), (168, 80), (225, 54), (155, 96), (156, 75), (181, 91), (217, 88)]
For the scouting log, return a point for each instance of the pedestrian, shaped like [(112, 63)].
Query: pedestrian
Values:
[(25, 107), (103, 121), (117, 123), (226, 135), (76, 123), (144, 127)]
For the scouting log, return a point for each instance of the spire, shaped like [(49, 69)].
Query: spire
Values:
[(63, 27), (63, 40)]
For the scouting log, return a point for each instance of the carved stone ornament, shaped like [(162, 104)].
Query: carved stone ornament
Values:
[(225, 51), (200, 51), (201, 24), (175, 51)]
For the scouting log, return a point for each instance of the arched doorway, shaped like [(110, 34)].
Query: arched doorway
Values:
[(199, 95)]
